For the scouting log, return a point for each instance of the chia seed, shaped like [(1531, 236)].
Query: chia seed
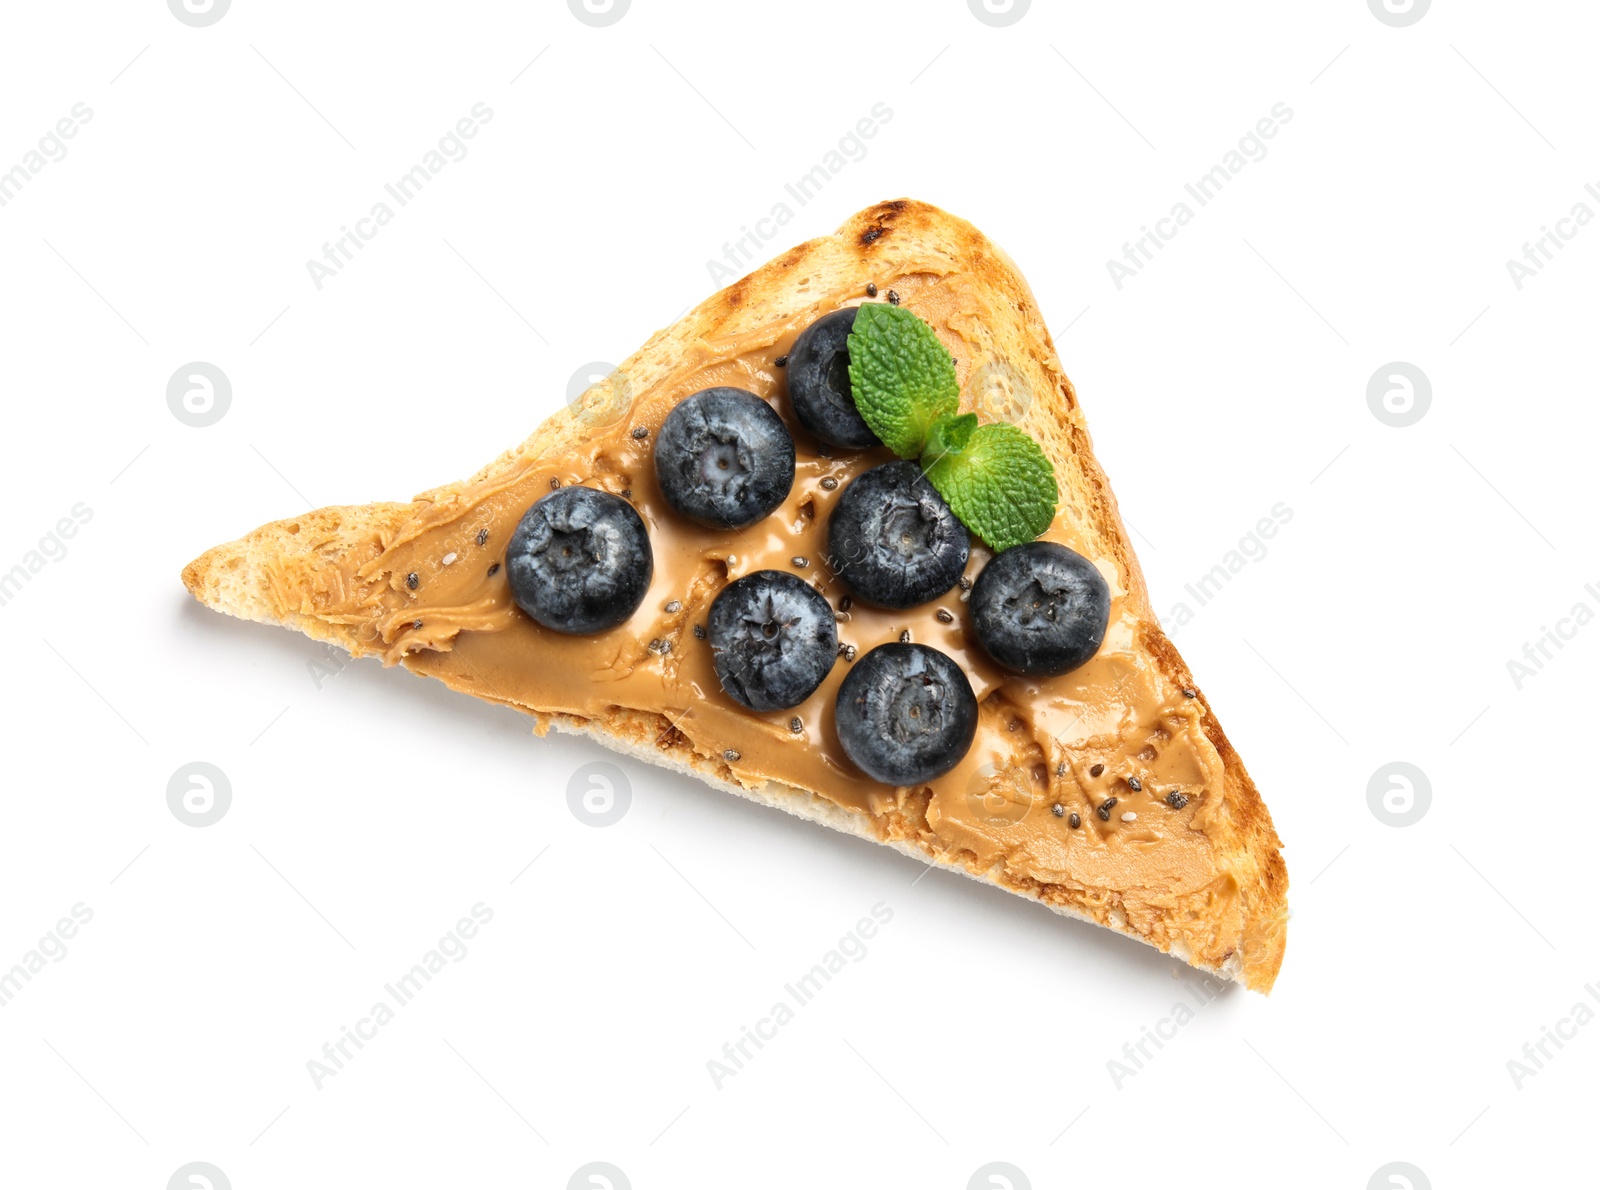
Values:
[(848, 652), (905, 636), (1188, 693), (699, 632), (411, 580), (800, 562), (641, 431), (660, 646), (1096, 770), (494, 569), (846, 604), (944, 617), (627, 493), (964, 583), (1105, 808), (796, 725), (1061, 769), (894, 298), (1074, 822), (483, 536), (829, 483), (554, 483), (1058, 810), (731, 755), (1134, 784), (781, 362), (416, 625), (872, 289), (674, 607), (1177, 800)]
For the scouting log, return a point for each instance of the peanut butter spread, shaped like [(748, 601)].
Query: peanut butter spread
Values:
[(1116, 728)]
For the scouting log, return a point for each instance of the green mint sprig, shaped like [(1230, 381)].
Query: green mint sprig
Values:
[(994, 477)]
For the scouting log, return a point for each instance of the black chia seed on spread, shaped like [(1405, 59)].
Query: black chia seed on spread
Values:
[(411, 580), (1074, 822), (494, 569), (554, 483), (795, 725), (731, 755), (674, 606), (1105, 809), (1133, 784), (1188, 693), (483, 536), (641, 431), (872, 289), (699, 632), (1096, 770), (905, 636), (894, 298), (829, 483), (1058, 810), (944, 616), (1177, 800), (781, 362)]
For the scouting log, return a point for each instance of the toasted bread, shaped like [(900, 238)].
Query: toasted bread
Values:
[(341, 575)]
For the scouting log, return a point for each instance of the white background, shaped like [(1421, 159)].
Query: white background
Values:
[(371, 812)]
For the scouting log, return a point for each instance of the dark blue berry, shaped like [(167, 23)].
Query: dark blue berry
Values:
[(894, 540), (1040, 608), (773, 639), (905, 714), (579, 561), (724, 458), (819, 382)]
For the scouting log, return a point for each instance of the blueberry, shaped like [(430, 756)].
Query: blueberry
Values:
[(1040, 608), (894, 540), (724, 458), (819, 382), (773, 639), (905, 714), (579, 560)]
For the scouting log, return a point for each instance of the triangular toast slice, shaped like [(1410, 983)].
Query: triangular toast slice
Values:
[(1186, 860)]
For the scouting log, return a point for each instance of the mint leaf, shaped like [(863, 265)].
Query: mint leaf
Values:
[(948, 434), (999, 483), (901, 376)]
